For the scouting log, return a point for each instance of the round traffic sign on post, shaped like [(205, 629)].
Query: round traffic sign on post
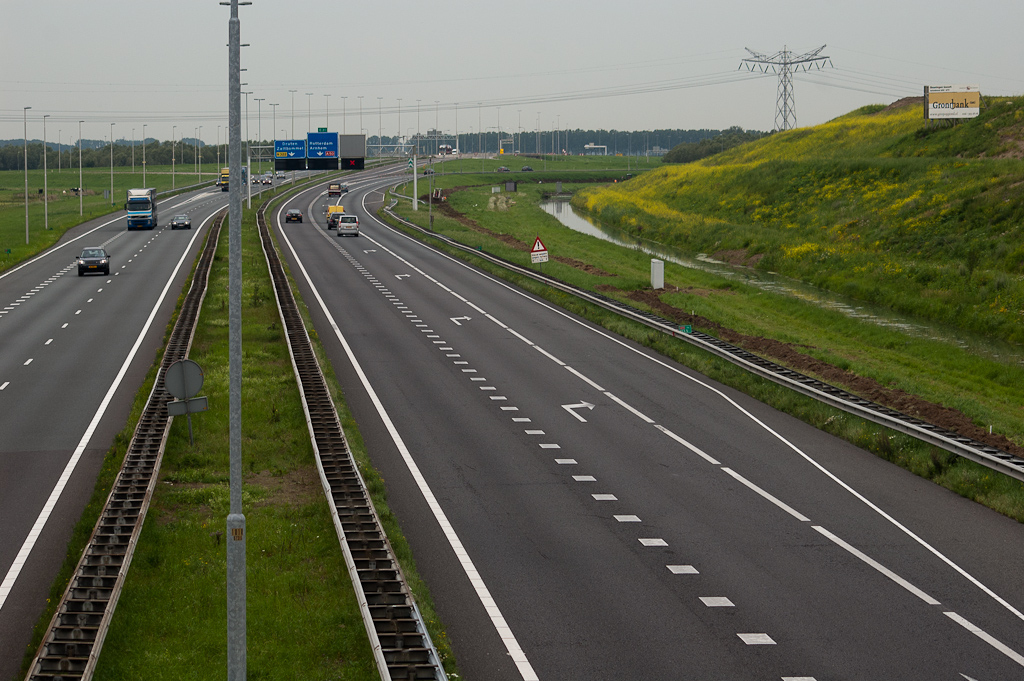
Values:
[(184, 379)]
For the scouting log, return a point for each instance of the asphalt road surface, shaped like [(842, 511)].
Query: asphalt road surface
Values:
[(585, 509), (75, 349)]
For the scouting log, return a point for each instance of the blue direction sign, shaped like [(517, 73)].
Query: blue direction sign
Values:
[(322, 144), (289, 148)]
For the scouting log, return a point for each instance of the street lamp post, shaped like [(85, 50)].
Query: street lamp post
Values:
[(327, 121), (275, 130), (112, 164), (361, 115), (133, 151), (380, 129), (344, 114), (259, 126), (174, 132), (456, 126), (436, 141), (46, 186), (417, 128), (293, 112), (400, 123), (309, 112), (200, 144), (59, 131), (144, 154), (80, 188), (24, 115), (218, 151)]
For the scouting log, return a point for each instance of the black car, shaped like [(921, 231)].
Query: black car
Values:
[(502, 169), (93, 259), (181, 222), (428, 171), (293, 215), (527, 169)]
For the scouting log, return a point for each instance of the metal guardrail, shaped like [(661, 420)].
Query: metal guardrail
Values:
[(72, 644), (969, 448), (398, 635)]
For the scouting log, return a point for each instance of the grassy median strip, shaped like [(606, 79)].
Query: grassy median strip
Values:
[(987, 390)]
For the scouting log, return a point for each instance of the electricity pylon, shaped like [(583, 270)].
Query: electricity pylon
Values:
[(784, 63)]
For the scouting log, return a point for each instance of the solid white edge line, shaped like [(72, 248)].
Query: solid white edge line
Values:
[(477, 582), (583, 378), (829, 474), (69, 468), (987, 638), (56, 248), (788, 509), (696, 450), (878, 566)]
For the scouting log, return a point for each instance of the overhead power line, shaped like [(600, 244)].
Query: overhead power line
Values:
[(784, 63)]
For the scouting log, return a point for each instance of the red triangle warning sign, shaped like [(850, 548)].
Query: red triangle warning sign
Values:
[(538, 246)]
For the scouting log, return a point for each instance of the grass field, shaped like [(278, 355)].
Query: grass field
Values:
[(988, 391)]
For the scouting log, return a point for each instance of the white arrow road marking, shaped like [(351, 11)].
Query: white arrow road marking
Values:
[(582, 405), (457, 320), (399, 276), (372, 250)]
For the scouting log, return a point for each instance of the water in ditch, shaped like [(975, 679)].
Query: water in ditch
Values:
[(774, 283)]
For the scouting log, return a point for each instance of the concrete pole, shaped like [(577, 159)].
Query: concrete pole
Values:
[(236, 538), (80, 190), (46, 186), (24, 114)]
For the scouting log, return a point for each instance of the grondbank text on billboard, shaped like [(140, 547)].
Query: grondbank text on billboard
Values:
[(951, 101)]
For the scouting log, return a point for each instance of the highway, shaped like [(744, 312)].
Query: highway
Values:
[(76, 349), (582, 508)]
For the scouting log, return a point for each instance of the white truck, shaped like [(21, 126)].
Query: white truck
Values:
[(141, 208)]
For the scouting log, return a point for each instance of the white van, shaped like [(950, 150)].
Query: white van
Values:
[(347, 224)]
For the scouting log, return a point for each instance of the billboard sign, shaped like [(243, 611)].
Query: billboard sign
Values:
[(289, 148), (322, 145), (951, 101)]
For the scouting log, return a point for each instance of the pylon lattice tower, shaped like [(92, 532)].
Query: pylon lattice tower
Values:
[(784, 63)]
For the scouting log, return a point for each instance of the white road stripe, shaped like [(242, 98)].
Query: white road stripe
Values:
[(878, 566), (626, 406), (987, 638), (767, 496), (693, 448)]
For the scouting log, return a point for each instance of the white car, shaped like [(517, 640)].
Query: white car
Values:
[(347, 225)]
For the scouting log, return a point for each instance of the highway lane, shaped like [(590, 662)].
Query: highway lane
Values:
[(75, 351), (725, 540)]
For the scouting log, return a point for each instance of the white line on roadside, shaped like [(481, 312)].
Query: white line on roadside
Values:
[(987, 638), (37, 528)]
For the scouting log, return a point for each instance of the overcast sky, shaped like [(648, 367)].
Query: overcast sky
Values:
[(613, 64)]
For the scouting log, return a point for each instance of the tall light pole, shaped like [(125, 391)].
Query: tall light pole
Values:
[(144, 154), (200, 143), (59, 131), (456, 126), (309, 112), (259, 127), (80, 188), (236, 529), (400, 123), (479, 131), (344, 114), (293, 112), (327, 121), (275, 131), (380, 128), (46, 186), (436, 141), (361, 115), (417, 128), (112, 164), (133, 152), (24, 115), (174, 134)]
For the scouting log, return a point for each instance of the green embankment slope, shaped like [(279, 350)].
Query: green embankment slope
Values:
[(877, 204)]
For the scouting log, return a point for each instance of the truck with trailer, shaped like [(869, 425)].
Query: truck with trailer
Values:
[(141, 208)]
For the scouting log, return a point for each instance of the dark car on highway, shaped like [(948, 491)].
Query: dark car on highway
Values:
[(93, 259), (502, 169), (294, 215), (527, 169), (181, 222)]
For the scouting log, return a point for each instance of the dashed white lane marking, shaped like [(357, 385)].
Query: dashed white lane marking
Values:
[(548, 445), (498, 398), (717, 602), (521, 419), (64, 325), (27, 362), (78, 312), (89, 301), (756, 639), (682, 569), (604, 497), (565, 462), (510, 408), (498, 621), (629, 407), (692, 448), (584, 478), (627, 518), (48, 342), (878, 566), (583, 378), (5, 384), (653, 541), (798, 678), (534, 432), (767, 496), (987, 638)]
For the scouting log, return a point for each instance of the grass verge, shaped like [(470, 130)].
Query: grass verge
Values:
[(939, 371)]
